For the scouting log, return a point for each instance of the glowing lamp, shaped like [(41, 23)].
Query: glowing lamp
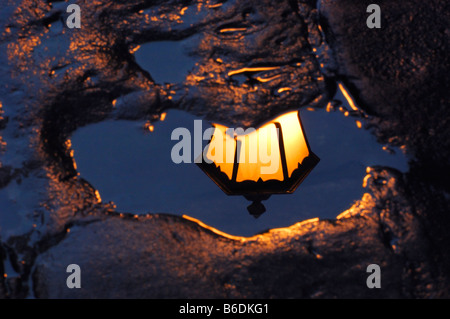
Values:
[(273, 159)]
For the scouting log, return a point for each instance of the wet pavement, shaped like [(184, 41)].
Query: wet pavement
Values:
[(56, 80)]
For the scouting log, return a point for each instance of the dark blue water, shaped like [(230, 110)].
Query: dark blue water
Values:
[(134, 170), (132, 167)]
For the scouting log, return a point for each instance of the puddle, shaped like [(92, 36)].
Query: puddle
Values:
[(134, 170), (166, 61)]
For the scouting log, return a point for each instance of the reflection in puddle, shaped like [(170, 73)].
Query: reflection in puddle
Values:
[(135, 171)]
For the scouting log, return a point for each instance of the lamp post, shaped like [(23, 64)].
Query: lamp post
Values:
[(273, 159)]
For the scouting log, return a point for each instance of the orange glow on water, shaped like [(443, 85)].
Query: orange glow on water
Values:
[(259, 155), (134, 49), (256, 69), (221, 150), (367, 177), (264, 236), (214, 230), (348, 97), (281, 90), (359, 208), (251, 165), (264, 80), (149, 126), (183, 10), (97, 195), (211, 6), (232, 30), (294, 140)]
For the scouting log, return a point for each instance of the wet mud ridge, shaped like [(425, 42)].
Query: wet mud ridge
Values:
[(254, 60)]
